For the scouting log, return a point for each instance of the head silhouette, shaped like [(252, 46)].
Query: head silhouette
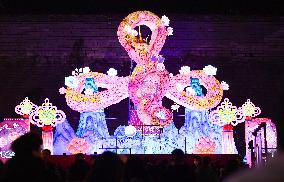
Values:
[(27, 144)]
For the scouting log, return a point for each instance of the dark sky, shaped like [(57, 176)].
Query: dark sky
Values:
[(170, 6)]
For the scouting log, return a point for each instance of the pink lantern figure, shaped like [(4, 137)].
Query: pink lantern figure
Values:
[(26, 108), (227, 115), (47, 116)]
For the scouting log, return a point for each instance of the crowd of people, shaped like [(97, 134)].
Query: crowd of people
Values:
[(30, 163)]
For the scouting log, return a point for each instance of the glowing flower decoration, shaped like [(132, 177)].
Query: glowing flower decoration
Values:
[(165, 20), (130, 131), (170, 31), (179, 87), (112, 72), (210, 70), (78, 145), (3, 142), (175, 107), (226, 113), (62, 90), (205, 145), (86, 70), (249, 109), (224, 85), (47, 114), (184, 70), (160, 67), (26, 107), (190, 91), (71, 81)]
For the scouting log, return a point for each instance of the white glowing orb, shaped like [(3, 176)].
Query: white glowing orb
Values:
[(224, 85), (179, 87), (170, 31), (184, 70), (190, 91), (71, 81), (130, 131), (165, 20), (112, 72), (210, 70)]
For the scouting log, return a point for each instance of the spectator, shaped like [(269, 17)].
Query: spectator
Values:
[(135, 170), (53, 169), (26, 165), (206, 172), (178, 170), (196, 166), (1, 167), (79, 169), (108, 167)]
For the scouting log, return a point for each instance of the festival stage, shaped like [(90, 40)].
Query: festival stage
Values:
[(209, 116)]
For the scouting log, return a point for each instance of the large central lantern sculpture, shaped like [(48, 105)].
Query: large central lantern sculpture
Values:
[(148, 83), (146, 86)]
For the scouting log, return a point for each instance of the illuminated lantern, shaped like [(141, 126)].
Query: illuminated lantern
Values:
[(47, 116), (26, 108), (130, 131), (250, 111), (227, 115)]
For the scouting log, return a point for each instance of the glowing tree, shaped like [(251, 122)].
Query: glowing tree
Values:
[(227, 115), (47, 116), (25, 109)]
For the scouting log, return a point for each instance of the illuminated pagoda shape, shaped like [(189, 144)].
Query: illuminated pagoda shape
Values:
[(25, 109), (227, 115), (46, 117)]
